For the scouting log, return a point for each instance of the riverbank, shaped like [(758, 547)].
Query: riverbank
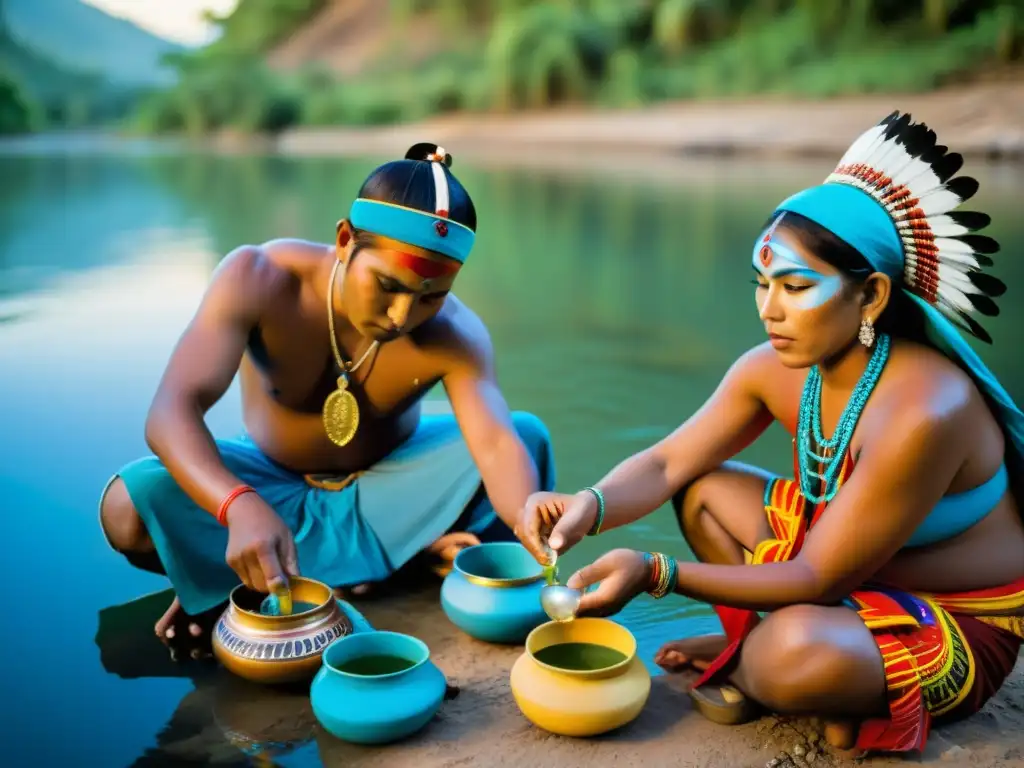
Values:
[(482, 726), (981, 120)]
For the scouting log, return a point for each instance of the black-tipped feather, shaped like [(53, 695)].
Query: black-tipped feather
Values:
[(980, 243), (973, 220), (947, 167), (963, 187), (897, 126), (991, 286), (966, 322), (983, 304), (918, 140)]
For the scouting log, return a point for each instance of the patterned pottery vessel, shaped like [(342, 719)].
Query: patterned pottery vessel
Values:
[(580, 702), (493, 592), (279, 649), (357, 699)]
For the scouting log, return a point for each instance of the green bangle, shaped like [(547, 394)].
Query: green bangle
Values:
[(596, 527)]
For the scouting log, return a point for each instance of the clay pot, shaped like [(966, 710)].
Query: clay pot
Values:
[(279, 649), (581, 702), (376, 687), (493, 592)]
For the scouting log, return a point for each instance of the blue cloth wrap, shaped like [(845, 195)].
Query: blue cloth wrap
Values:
[(361, 533), (856, 218), (414, 227)]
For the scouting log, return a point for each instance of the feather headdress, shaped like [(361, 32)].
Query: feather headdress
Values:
[(901, 165)]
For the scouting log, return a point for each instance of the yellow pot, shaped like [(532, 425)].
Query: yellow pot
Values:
[(574, 702), (278, 649)]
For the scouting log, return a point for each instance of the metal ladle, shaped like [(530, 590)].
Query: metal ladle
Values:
[(559, 602)]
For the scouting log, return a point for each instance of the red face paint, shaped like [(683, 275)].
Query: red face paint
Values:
[(426, 268)]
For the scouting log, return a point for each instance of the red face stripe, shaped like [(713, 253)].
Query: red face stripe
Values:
[(426, 268)]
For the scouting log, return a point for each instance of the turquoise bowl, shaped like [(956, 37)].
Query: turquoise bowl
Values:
[(493, 592), (374, 705)]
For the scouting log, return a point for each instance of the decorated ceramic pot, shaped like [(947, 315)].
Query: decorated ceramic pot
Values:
[(493, 592), (376, 687), (279, 649), (580, 678)]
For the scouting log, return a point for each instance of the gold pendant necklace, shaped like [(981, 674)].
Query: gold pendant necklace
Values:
[(341, 410)]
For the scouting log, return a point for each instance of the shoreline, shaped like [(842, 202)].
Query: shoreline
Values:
[(483, 726), (983, 122)]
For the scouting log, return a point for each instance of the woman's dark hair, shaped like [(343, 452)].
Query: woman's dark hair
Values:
[(901, 318), (410, 182)]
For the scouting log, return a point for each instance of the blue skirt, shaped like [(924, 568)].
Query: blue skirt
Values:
[(360, 533)]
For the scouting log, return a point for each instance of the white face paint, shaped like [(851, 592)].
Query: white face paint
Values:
[(774, 260)]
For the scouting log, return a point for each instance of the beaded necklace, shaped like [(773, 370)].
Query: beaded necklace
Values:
[(834, 448)]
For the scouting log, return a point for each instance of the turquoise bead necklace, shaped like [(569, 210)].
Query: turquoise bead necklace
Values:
[(835, 447)]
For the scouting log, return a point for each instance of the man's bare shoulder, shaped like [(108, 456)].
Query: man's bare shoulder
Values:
[(271, 269), (457, 336)]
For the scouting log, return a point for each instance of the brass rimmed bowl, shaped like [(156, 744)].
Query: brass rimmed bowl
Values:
[(279, 649), (493, 592)]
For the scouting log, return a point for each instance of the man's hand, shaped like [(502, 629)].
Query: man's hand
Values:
[(261, 549)]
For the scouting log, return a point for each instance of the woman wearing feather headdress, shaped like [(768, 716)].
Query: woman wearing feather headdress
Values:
[(882, 589)]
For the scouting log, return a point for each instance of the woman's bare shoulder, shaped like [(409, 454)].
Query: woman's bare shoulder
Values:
[(922, 379)]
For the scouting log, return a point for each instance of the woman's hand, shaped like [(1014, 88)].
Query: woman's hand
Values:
[(555, 520), (623, 574)]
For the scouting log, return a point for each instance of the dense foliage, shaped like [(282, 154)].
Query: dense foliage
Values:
[(518, 54)]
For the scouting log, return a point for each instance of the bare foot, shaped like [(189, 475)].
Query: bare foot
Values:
[(841, 734), (447, 547), (690, 653), (182, 633), (441, 554)]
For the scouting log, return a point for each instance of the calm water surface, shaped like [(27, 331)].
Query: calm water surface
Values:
[(616, 300)]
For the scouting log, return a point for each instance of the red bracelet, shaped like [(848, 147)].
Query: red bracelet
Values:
[(222, 510)]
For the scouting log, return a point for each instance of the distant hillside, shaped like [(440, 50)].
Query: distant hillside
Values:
[(81, 37), (357, 62), (348, 36), (41, 79)]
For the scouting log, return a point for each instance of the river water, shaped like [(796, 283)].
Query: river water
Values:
[(616, 298)]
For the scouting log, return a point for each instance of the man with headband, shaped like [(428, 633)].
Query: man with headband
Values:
[(338, 475), (882, 588)]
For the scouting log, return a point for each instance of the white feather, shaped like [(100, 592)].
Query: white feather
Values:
[(945, 226), (941, 225), (950, 275), (938, 201), (963, 262), (863, 145), (956, 298), (949, 245)]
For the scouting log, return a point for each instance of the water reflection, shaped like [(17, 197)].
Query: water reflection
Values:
[(615, 301)]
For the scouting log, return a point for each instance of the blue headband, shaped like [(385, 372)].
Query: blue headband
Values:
[(856, 218), (426, 230)]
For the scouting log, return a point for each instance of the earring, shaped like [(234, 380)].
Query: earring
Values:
[(867, 333)]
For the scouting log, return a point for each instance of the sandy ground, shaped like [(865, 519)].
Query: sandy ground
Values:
[(981, 120), (482, 726)]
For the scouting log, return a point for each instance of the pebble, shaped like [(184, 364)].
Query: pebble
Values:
[(799, 750), (956, 752)]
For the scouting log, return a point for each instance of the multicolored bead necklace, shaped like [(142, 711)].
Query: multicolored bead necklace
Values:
[(834, 448)]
